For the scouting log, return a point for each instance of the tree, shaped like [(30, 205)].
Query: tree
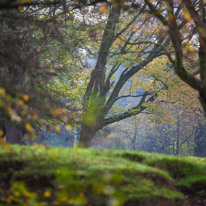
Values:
[(174, 122), (32, 71), (194, 14), (170, 124), (132, 47)]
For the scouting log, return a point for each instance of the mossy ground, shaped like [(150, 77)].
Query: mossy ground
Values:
[(37, 176)]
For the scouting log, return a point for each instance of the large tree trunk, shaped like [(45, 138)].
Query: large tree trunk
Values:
[(98, 87), (86, 136), (14, 134)]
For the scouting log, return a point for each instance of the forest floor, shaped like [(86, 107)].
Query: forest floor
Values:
[(47, 176)]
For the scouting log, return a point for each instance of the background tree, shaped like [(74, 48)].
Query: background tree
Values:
[(36, 60), (170, 124), (194, 37)]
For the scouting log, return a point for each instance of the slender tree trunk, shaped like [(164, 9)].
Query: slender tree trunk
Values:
[(178, 136), (135, 137), (14, 134), (75, 137), (173, 147)]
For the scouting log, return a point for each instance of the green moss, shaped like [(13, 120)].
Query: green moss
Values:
[(59, 176), (188, 173)]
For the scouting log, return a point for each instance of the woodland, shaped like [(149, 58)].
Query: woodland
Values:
[(109, 69), (117, 80)]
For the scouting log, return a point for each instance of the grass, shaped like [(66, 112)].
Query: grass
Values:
[(42, 176)]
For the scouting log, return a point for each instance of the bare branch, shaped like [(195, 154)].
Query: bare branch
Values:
[(131, 112), (131, 22), (129, 95)]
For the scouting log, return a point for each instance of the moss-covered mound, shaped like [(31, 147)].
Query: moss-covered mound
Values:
[(37, 176)]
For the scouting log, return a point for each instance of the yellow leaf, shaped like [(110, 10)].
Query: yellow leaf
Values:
[(57, 111), (187, 16), (2, 91), (57, 128), (21, 102), (28, 127), (68, 127), (191, 49)]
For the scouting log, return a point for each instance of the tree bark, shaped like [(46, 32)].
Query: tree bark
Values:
[(86, 136)]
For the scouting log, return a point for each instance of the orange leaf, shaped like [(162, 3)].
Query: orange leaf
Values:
[(26, 98), (20, 8), (103, 9), (47, 194)]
